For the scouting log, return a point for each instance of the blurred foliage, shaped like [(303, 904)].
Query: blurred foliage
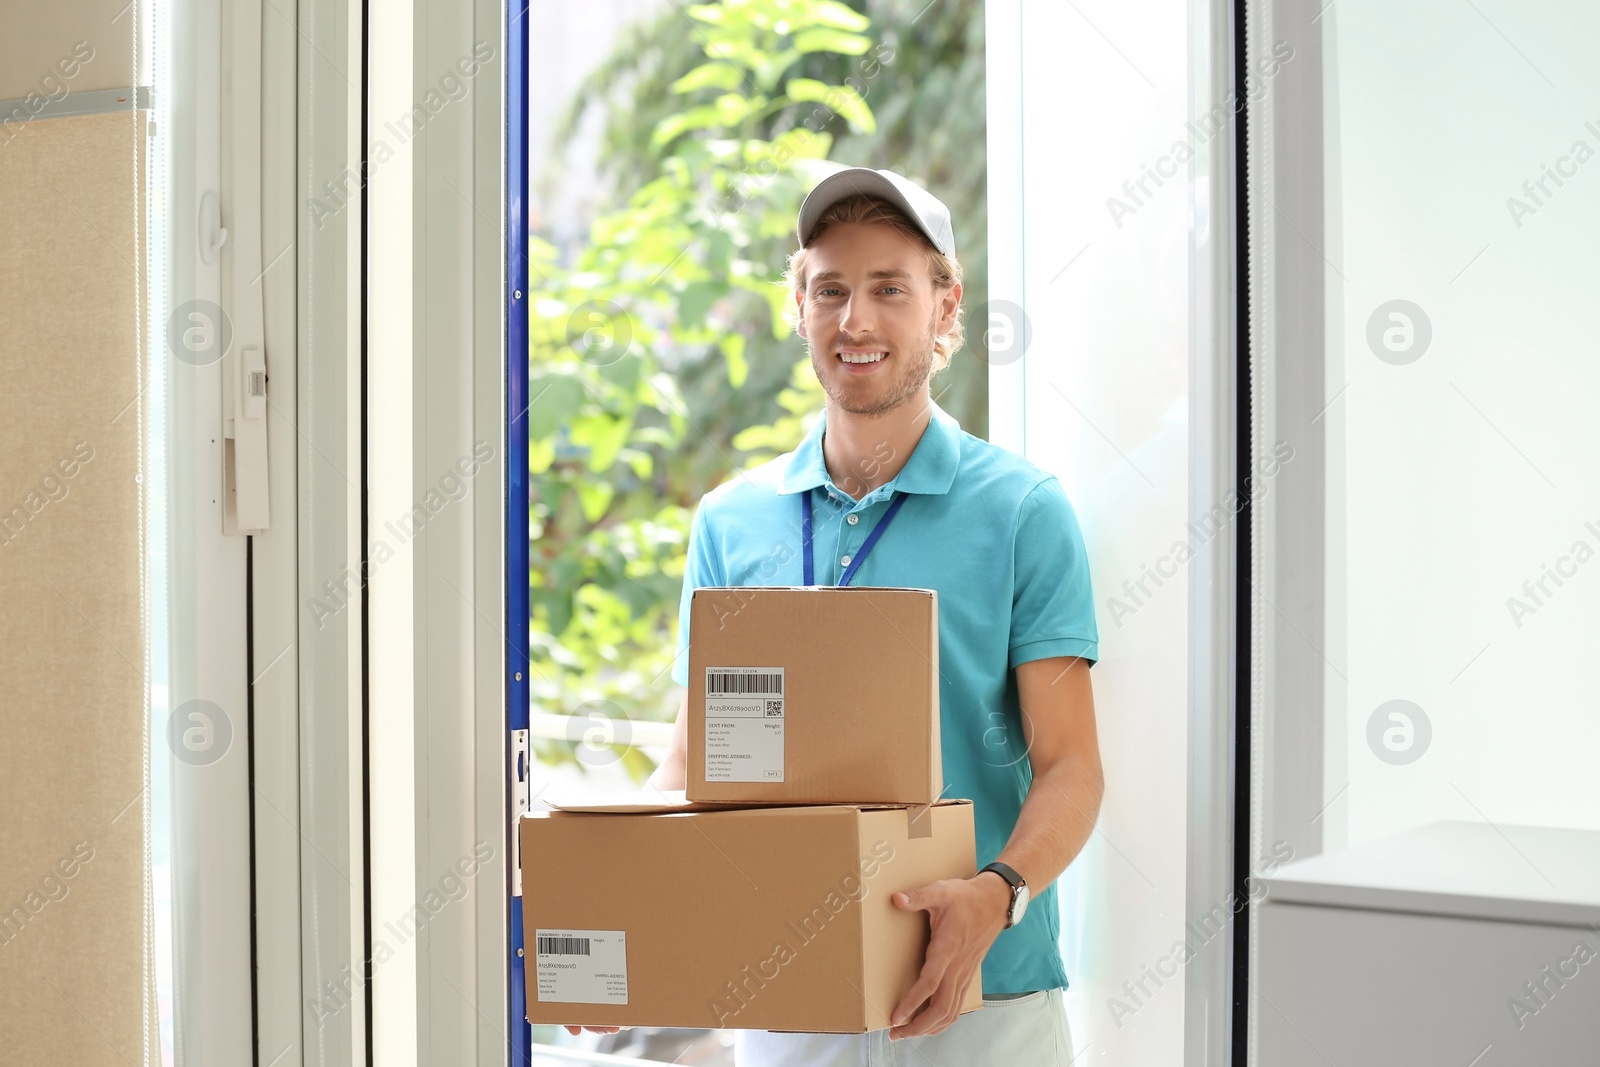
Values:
[(660, 362)]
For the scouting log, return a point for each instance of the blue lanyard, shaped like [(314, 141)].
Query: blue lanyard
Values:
[(866, 546)]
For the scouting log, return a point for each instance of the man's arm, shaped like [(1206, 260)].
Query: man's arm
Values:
[(673, 771), (966, 914), (1063, 803)]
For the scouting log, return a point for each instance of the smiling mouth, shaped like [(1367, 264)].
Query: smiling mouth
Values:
[(863, 357)]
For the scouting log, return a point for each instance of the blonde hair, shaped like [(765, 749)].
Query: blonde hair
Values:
[(944, 270)]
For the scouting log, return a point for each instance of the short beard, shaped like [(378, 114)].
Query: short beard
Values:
[(903, 388)]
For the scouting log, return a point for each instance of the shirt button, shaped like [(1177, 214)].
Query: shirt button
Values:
[(852, 519), (844, 561)]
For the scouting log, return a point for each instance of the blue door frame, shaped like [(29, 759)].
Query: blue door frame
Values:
[(516, 453)]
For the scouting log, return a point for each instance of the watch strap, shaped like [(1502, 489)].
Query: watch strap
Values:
[(1015, 881), (1007, 872)]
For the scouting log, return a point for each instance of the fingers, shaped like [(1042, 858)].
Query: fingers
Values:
[(575, 1030), (926, 985), (935, 963), (924, 898), (912, 1001), (932, 1019), (940, 1012)]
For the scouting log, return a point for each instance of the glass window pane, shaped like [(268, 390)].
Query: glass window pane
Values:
[(1429, 596), (1462, 507)]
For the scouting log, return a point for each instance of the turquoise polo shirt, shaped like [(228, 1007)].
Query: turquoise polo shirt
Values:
[(998, 540)]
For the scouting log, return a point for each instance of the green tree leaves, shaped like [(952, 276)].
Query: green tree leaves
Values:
[(660, 359)]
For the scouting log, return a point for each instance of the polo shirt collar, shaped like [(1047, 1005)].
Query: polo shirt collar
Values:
[(931, 468)]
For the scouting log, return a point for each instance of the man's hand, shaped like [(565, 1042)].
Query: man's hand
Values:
[(597, 1029), (965, 915)]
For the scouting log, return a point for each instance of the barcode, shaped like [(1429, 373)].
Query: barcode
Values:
[(745, 683), (562, 946)]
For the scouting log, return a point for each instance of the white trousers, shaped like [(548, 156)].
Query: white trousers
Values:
[(1029, 1031)]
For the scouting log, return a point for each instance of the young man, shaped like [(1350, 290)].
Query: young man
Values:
[(877, 293)]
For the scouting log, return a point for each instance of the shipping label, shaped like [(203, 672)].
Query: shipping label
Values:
[(744, 724), (582, 966)]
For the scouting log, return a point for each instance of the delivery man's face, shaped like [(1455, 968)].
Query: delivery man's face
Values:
[(869, 316)]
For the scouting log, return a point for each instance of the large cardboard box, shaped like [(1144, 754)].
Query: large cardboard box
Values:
[(770, 918), (814, 695)]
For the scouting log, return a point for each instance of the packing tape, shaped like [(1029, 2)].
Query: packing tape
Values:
[(919, 823)]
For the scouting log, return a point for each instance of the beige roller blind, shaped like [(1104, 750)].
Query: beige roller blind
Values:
[(74, 888)]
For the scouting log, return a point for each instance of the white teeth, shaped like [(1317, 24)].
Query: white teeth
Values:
[(862, 357)]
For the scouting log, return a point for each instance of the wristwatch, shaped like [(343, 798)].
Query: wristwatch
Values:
[(1019, 892)]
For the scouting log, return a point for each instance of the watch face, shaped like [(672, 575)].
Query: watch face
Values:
[(1019, 904)]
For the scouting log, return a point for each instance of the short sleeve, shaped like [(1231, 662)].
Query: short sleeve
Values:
[(1052, 606), (703, 568)]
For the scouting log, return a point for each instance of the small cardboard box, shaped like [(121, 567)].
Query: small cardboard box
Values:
[(768, 918), (814, 695)]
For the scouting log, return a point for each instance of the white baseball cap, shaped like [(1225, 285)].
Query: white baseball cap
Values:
[(921, 206)]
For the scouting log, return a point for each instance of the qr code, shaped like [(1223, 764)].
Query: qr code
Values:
[(774, 709)]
